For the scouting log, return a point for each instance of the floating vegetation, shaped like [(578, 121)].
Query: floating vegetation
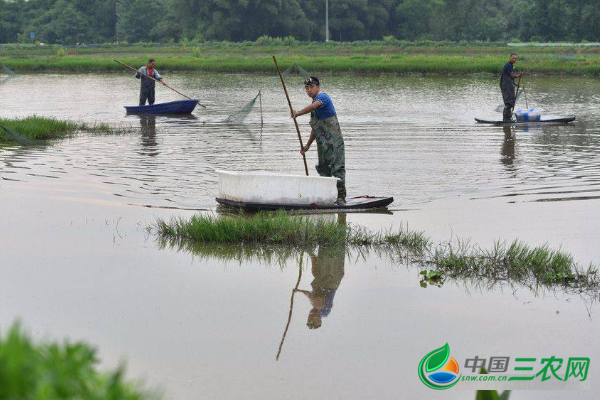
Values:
[(51, 370), (281, 236), (34, 129)]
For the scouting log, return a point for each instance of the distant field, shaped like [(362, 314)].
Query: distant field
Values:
[(355, 57)]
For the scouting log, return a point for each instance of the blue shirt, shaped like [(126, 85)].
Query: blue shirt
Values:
[(506, 71), (326, 109)]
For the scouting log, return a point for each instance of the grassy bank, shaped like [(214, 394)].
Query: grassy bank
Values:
[(51, 370), (280, 235), (359, 57), (40, 128)]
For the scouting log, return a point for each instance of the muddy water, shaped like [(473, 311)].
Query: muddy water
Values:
[(76, 260)]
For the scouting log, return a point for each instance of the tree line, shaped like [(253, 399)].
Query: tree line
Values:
[(161, 21)]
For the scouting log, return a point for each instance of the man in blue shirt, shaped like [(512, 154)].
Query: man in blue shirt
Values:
[(507, 85), (147, 85), (326, 130)]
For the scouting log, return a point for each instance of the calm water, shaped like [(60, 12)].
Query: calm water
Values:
[(76, 260)]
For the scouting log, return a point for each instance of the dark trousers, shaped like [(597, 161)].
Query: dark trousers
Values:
[(146, 94), (507, 114)]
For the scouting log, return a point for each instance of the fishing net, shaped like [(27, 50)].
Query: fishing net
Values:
[(500, 108), (18, 138), (6, 73), (239, 116), (296, 70)]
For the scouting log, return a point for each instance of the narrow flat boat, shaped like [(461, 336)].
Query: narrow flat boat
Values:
[(172, 107), (266, 191), (543, 120), (353, 203)]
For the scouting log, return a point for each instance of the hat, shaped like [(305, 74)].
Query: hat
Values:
[(312, 81)]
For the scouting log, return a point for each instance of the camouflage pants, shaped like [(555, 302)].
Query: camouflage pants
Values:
[(330, 149)]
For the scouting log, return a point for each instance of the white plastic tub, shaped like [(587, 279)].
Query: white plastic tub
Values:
[(271, 188)]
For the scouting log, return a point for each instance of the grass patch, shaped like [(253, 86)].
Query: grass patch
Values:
[(268, 229), (51, 370), (281, 236), (43, 128), (352, 57)]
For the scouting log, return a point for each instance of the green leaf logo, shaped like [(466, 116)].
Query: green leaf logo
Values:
[(434, 361), (437, 358)]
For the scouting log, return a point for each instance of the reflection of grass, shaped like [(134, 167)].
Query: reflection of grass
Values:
[(279, 236), (57, 371), (42, 128)]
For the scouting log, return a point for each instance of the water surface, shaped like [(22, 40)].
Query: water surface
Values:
[(76, 260)]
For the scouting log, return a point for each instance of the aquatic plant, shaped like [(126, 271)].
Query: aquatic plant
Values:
[(491, 394), (51, 370), (281, 236), (262, 228), (44, 128)]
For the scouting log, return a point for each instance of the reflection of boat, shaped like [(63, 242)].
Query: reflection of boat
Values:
[(257, 191), (544, 119), (172, 107)]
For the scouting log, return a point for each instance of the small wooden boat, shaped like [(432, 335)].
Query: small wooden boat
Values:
[(172, 107), (544, 119), (353, 203), (256, 191)]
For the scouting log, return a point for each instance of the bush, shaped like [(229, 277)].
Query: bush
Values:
[(53, 370)]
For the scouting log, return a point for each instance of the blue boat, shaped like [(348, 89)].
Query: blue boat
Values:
[(172, 107)]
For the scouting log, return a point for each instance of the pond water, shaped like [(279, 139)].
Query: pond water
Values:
[(77, 261)]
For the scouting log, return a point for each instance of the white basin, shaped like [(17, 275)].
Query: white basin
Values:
[(272, 188)]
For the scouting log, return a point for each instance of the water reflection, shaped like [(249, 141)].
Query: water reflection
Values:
[(328, 272), (508, 147), (148, 138)]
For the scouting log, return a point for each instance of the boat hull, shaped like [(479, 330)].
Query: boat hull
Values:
[(354, 203), (173, 107), (544, 119)]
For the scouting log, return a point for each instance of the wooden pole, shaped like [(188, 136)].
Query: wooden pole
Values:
[(261, 110), (156, 80), (292, 110), (517, 94)]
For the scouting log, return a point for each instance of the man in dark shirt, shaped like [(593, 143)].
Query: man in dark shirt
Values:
[(507, 85)]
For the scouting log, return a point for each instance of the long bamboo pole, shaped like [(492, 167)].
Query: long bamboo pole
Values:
[(156, 80), (518, 87), (291, 110)]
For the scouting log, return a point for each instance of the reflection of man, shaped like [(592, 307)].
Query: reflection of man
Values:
[(328, 271), (148, 130), (508, 146)]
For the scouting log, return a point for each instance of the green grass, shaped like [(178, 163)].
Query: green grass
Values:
[(42, 128), (268, 229), (355, 57), (51, 370), (281, 236)]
